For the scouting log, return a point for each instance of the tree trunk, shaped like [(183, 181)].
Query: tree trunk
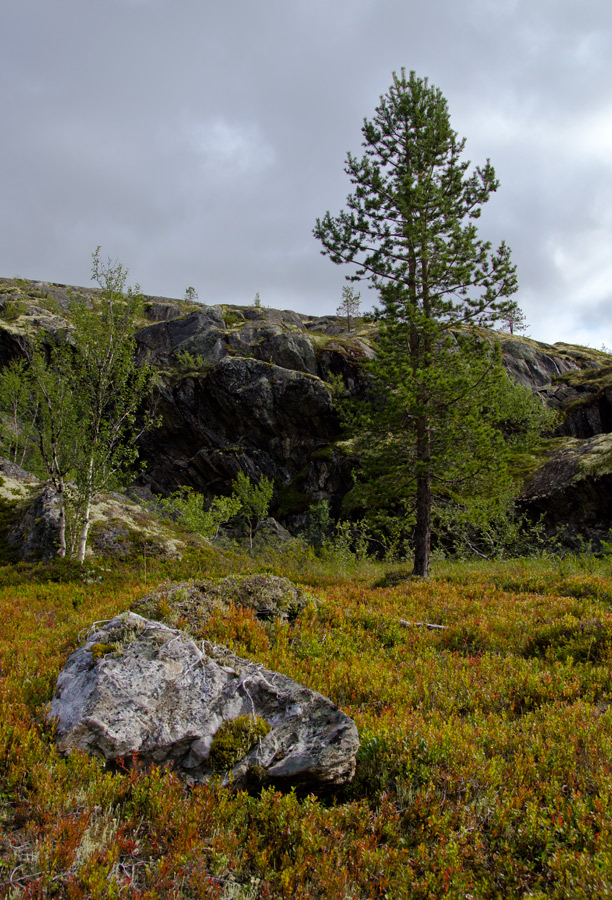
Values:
[(61, 533), (87, 497), (422, 537), (84, 533)]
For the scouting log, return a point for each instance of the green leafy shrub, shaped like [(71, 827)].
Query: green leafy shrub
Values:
[(187, 364), (190, 508), (254, 500), (12, 310)]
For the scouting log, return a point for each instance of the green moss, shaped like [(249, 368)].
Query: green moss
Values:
[(345, 345), (234, 739), (232, 318), (99, 650), (524, 465), (598, 460), (325, 453)]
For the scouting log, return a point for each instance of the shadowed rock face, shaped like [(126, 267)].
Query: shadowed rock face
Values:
[(242, 415), (257, 404), (573, 490), (256, 400), (139, 688)]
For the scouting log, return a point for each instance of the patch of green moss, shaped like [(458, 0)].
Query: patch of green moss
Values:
[(234, 739), (524, 465), (325, 453), (99, 650), (346, 345), (598, 459), (232, 318)]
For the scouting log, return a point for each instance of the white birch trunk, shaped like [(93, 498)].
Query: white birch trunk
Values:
[(61, 536), (86, 513), (84, 533)]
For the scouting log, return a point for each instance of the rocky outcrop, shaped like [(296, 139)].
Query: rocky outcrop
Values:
[(120, 527), (247, 389), (242, 415), (535, 366), (572, 490), (201, 333), (576, 381), (35, 536), (138, 688), (30, 513), (255, 400)]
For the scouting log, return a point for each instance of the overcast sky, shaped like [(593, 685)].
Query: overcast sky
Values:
[(197, 142)]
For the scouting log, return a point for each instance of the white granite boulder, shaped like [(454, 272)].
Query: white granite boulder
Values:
[(138, 688)]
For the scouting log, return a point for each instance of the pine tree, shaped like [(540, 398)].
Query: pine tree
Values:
[(409, 227), (514, 320), (349, 307)]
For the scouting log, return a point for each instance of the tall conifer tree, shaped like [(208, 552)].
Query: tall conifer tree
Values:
[(409, 227)]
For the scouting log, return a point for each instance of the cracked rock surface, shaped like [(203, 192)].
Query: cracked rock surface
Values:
[(139, 688)]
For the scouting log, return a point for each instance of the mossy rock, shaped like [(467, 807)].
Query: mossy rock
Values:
[(191, 603), (234, 739)]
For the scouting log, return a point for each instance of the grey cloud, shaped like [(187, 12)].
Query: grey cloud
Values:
[(198, 142)]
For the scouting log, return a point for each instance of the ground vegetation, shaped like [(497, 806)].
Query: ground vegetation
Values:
[(484, 767)]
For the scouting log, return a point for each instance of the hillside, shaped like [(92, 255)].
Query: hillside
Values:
[(246, 389), (483, 770)]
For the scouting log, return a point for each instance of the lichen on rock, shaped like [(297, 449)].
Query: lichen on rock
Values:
[(193, 602)]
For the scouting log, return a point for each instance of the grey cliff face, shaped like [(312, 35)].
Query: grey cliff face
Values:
[(257, 401), (138, 687), (243, 414), (246, 389)]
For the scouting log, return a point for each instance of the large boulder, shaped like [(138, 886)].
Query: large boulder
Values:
[(138, 688)]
